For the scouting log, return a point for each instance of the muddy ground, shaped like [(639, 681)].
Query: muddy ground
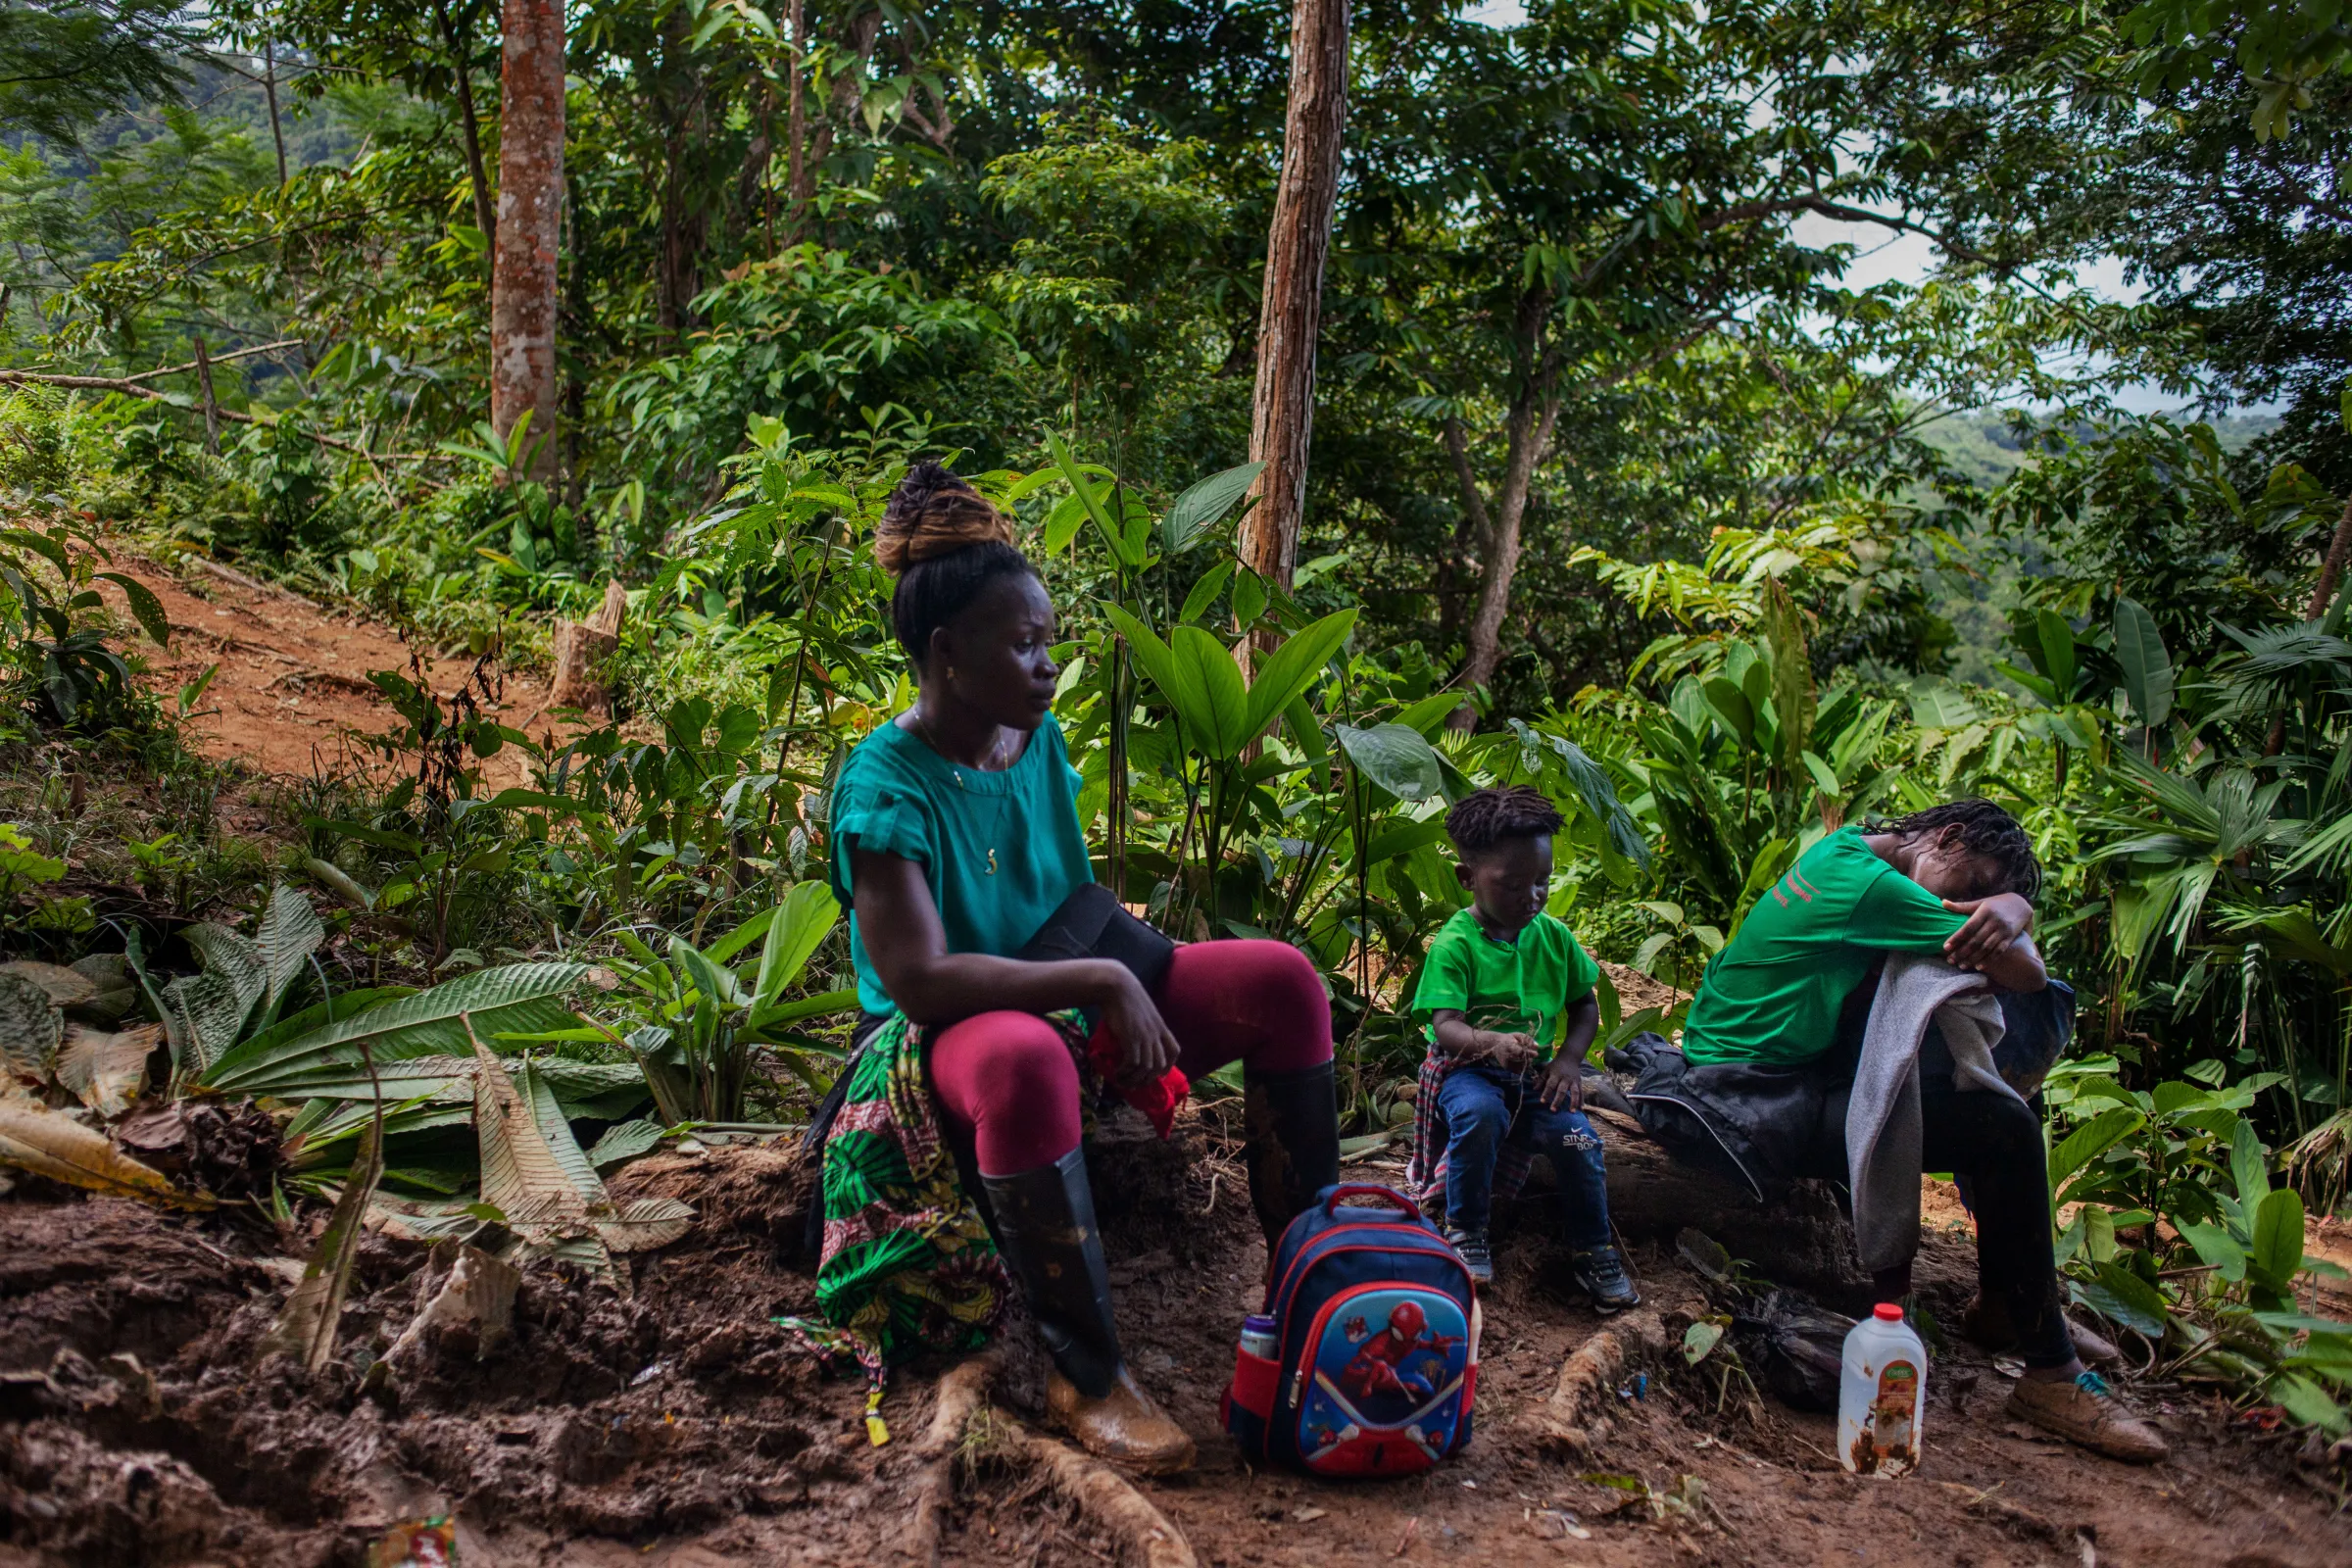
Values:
[(679, 1427)]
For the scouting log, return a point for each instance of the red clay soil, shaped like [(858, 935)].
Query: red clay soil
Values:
[(293, 685), (679, 1427)]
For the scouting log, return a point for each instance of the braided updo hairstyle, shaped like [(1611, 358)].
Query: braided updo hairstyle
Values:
[(1989, 833), (945, 544), (1484, 818)]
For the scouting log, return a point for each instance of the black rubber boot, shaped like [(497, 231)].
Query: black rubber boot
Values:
[(1291, 1125), (1045, 1226)]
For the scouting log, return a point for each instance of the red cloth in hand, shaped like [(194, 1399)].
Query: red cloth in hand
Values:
[(1157, 1099)]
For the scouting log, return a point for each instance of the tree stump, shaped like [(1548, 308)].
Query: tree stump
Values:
[(581, 648)]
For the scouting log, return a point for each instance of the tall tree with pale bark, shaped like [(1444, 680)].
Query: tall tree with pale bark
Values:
[(524, 274), (1291, 313)]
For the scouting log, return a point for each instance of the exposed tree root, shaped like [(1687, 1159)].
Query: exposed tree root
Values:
[(1577, 1415), (1573, 1417), (1151, 1536), (962, 1393)]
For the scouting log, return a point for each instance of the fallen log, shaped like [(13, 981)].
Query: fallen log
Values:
[(1805, 1241)]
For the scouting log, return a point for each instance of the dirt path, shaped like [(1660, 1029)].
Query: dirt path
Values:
[(292, 688)]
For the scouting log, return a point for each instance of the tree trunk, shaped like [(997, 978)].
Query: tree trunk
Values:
[(796, 121), (523, 278), (1530, 432), (1282, 418), (460, 60), (678, 268), (2331, 568), (277, 135), (212, 404)]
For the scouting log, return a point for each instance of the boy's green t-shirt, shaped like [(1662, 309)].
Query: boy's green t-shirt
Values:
[(1773, 994), (1520, 986)]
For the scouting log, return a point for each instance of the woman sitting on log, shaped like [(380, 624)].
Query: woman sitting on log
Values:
[(956, 841)]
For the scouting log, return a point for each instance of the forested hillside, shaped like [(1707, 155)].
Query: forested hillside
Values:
[(1394, 399)]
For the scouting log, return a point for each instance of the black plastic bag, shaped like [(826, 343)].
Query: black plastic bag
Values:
[(1793, 1345)]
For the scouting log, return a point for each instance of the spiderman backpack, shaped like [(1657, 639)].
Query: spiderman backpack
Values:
[(1374, 1345)]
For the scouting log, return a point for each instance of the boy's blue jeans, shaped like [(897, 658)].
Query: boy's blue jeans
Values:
[(1485, 1106)]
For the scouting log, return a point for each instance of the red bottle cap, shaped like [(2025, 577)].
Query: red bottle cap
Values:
[(1887, 1312)]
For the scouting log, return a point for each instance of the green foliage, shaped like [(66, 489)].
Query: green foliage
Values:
[(2219, 1298), (63, 66), (694, 1023)]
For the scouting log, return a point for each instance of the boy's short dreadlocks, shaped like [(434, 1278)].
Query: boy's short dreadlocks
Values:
[(1987, 832), (1486, 818)]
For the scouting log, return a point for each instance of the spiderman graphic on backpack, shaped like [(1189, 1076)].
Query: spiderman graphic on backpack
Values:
[(1375, 1360)]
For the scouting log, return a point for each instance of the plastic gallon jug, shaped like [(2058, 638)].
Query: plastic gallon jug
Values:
[(1882, 1395)]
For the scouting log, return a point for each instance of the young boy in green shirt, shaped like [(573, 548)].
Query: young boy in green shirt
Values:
[(1505, 985)]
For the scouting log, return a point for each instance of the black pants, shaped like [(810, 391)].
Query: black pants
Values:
[(1995, 1143)]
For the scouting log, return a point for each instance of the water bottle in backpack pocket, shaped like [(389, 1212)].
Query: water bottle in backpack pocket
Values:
[(1365, 1360)]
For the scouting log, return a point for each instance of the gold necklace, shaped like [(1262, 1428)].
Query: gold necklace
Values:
[(923, 723)]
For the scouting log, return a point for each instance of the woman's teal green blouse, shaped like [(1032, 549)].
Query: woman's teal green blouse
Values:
[(999, 850)]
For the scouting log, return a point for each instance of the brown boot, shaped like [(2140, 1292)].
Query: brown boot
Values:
[(2085, 1410), (1986, 1324), (1124, 1426), (1045, 1223)]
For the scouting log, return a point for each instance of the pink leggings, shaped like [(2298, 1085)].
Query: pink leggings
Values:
[(1006, 1080)]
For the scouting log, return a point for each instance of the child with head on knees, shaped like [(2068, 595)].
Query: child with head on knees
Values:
[(1507, 998)]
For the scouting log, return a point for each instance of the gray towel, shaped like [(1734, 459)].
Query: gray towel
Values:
[(1882, 1115)]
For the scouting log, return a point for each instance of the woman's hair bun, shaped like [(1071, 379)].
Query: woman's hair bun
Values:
[(932, 513)]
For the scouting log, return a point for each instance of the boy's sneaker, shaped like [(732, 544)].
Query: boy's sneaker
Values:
[(1600, 1274), (1472, 1244)]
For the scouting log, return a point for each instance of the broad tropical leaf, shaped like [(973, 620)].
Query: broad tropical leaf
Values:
[(805, 918), (718, 985), (521, 1177), (2276, 1255), (291, 932), (645, 1223), (2147, 667), (145, 608), (206, 1015), (512, 999), (2125, 1298), (1291, 670), (1792, 695), (1395, 757), (2249, 1166), (2092, 1139), (1151, 656), (1204, 506), (1210, 699), (105, 1071), (624, 1141)]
